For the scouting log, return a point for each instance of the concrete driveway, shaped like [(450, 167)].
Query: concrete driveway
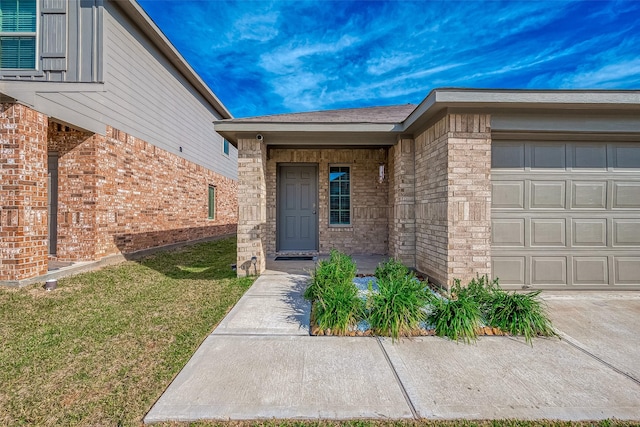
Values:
[(260, 362)]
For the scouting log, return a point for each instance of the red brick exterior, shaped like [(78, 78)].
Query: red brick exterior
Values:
[(116, 194), (23, 192)]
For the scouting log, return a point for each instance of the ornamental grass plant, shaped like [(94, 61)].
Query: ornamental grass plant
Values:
[(519, 314), (511, 312), (398, 308), (457, 317), (335, 300)]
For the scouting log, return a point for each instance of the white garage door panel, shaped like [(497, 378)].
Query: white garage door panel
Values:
[(548, 194), (566, 214), (510, 270), (626, 232), (548, 270), (589, 232), (508, 194), (589, 195), (627, 270), (548, 232), (508, 232), (591, 270), (626, 195)]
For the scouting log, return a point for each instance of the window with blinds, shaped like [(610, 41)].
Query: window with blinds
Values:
[(18, 23), (339, 195)]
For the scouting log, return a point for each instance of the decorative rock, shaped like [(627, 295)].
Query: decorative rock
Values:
[(488, 330), (327, 331)]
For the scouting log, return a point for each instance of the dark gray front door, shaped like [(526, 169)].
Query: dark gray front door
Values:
[(297, 224)]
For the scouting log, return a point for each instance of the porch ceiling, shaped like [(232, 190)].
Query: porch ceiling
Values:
[(300, 138)]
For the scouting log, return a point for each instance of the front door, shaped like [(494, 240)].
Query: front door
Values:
[(297, 224)]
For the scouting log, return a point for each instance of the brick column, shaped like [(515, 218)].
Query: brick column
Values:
[(23, 193), (252, 205), (402, 219), (77, 191), (469, 196)]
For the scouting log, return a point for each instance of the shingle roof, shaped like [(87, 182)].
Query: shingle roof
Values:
[(379, 115)]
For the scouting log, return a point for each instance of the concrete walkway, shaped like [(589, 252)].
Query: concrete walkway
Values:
[(260, 362)]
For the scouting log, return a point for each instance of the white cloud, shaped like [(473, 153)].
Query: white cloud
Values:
[(261, 27), (290, 58), (618, 75), (389, 62)]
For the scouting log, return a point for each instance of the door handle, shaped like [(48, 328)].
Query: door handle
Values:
[(314, 212)]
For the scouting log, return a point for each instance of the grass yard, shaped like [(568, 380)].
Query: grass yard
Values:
[(102, 348)]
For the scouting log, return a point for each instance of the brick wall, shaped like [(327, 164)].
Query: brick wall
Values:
[(252, 205), (369, 199), (431, 201), (469, 195), (119, 194), (77, 191), (453, 198), (402, 221), (23, 192), (151, 197)]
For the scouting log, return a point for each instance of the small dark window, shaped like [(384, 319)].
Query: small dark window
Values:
[(212, 202), (339, 195), (225, 147)]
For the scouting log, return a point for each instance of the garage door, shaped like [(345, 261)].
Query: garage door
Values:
[(566, 215)]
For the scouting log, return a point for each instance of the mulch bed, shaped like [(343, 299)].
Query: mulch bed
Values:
[(483, 331)]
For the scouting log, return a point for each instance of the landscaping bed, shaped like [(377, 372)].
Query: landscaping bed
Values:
[(363, 328), (396, 303)]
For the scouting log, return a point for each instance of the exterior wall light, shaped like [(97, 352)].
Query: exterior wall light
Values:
[(381, 174)]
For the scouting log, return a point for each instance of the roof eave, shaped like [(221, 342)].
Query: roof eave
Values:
[(230, 130), (491, 99)]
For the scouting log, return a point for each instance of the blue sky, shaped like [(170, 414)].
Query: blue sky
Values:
[(270, 57)]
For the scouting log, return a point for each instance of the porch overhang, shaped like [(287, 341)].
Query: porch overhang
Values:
[(299, 134)]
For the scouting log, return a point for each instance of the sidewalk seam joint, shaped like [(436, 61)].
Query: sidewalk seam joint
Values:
[(398, 380)]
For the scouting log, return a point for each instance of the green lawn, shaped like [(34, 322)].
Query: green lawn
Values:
[(102, 348)]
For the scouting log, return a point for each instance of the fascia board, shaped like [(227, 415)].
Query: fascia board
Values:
[(487, 100), (221, 126)]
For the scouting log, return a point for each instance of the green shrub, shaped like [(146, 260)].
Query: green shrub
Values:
[(511, 312), (519, 314), (398, 307), (481, 290), (334, 296), (457, 317)]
